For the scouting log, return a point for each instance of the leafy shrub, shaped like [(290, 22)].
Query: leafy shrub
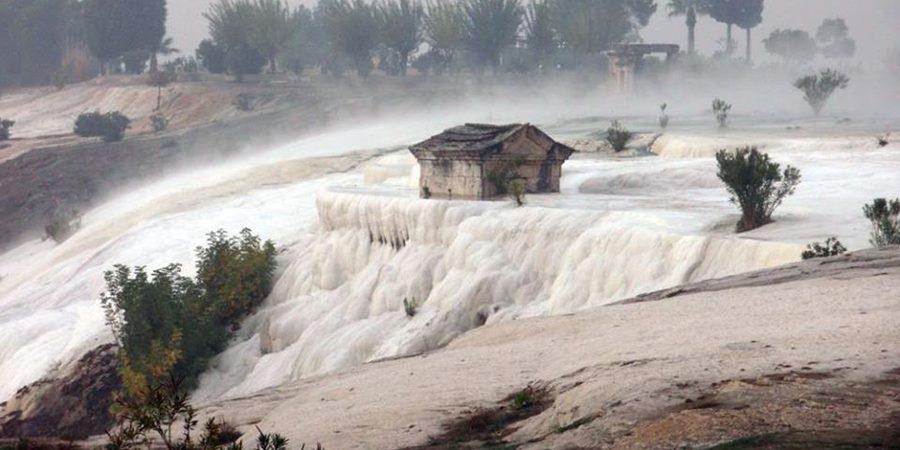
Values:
[(5, 125), (756, 184), (832, 247), (410, 306), (159, 122), (817, 88), (618, 136), (110, 126), (885, 217), (517, 191), (165, 322), (663, 117), (721, 109), (63, 226), (426, 192), (883, 141), (211, 56)]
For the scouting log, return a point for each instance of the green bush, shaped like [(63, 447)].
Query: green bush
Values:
[(410, 306), (110, 126), (63, 226), (832, 247), (166, 322), (618, 136), (817, 88), (885, 217), (756, 184), (159, 122), (5, 125)]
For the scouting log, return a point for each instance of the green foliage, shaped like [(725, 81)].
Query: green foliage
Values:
[(618, 136), (163, 47), (517, 191), (489, 26), (306, 47), (721, 109), (756, 184), (135, 61), (818, 88), (5, 125), (539, 28), (588, 27), (110, 126), (244, 60), (114, 27), (159, 122), (63, 226), (443, 24), (351, 28), (211, 56), (167, 324), (885, 217), (792, 45), (426, 192), (271, 28), (832, 247), (400, 24)]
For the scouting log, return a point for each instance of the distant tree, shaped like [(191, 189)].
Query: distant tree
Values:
[(271, 28), (161, 48), (490, 26), (400, 27), (306, 46), (107, 29), (110, 126), (159, 80), (135, 61), (244, 60), (721, 109), (729, 12), (791, 45), (32, 40), (443, 30), (750, 17), (588, 27), (539, 32), (149, 16), (835, 39), (690, 9), (756, 184), (818, 88), (230, 23), (640, 11), (351, 28), (211, 56)]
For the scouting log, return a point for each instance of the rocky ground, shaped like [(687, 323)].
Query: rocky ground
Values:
[(761, 360)]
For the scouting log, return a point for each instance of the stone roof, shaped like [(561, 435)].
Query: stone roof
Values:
[(477, 139)]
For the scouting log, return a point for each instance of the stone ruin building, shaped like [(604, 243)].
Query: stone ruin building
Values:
[(467, 161), (625, 60)]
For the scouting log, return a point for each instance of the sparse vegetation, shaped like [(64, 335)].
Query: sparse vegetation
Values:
[(756, 184), (159, 122), (818, 88), (885, 217), (618, 136), (426, 192), (883, 140), (5, 125), (721, 109), (110, 126), (663, 117), (243, 102), (517, 191), (832, 247), (410, 306), (161, 79), (63, 226)]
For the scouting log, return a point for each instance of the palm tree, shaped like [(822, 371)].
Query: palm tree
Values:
[(690, 9), (164, 48)]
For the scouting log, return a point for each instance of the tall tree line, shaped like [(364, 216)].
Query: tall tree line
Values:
[(34, 38)]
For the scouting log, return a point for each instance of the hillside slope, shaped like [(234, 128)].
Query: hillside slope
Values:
[(813, 358)]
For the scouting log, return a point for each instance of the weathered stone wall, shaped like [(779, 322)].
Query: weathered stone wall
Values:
[(461, 177)]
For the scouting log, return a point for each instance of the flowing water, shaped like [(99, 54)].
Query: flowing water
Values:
[(356, 241)]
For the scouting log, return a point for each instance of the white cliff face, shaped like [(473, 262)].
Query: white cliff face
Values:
[(352, 252)]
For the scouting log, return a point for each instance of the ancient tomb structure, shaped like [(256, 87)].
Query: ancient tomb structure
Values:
[(625, 60), (473, 161)]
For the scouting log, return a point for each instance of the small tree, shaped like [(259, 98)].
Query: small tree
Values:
[(756, 184), (720, 109), (410, 306), (618, 136), (211, 56), (5, 125), (885, 217), (244, 60), (817, 88), (159, 122), (160, 79), (832, 247), (517, 191), (663, 117)]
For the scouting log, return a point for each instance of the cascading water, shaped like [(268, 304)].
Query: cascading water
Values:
[(351, 254)]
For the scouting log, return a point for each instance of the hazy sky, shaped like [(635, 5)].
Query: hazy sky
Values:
[(875, 24)]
